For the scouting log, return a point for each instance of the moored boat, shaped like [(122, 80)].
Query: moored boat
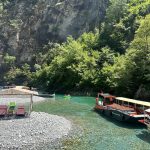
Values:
[(120, 108), (47, 95)]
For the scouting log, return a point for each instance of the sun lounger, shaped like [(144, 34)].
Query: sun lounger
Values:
[(3, 110), (20, 111), (11, 109)]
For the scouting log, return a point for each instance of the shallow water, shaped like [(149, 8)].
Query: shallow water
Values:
[(99, 132)]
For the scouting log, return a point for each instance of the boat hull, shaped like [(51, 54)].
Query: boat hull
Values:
[(46, 95), (116, 114)]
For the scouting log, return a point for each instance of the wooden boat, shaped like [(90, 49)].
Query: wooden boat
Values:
[(120, 108), (46, 95)]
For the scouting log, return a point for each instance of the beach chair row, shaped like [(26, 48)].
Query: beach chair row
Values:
[(12, 110)]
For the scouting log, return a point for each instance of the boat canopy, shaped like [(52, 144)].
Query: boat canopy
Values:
[(106, 95), (133, 101)]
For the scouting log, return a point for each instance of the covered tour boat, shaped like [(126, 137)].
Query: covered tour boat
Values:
[(120, 108)]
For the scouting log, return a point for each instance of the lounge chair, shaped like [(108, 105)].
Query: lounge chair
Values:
[(20, 111), (11, 108), (3, 110)]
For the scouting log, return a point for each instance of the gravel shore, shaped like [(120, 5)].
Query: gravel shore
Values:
[(36, 132)]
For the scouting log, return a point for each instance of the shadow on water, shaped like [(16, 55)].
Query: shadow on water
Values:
[(145, 136), (128, 125)]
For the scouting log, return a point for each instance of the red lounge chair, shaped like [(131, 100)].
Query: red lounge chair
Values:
[(20, 111), (3, 110)]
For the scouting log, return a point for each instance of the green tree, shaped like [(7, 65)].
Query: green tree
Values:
[(112, 33), (139, 8), (9, 60), (19, 76), (131, 71), (122, 20), (72, 67)]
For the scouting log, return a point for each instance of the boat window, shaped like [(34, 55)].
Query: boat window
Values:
[(120, 102), (115, 100), (107, 101), (126, 104), (141, 107), (131, 105)]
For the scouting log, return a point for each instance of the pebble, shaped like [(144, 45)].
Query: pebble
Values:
[(34, 132)]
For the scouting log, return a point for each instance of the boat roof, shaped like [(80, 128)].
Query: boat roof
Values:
[(106, 95), (133, 101)]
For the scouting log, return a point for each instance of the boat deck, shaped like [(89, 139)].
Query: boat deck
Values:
[(121, 107)]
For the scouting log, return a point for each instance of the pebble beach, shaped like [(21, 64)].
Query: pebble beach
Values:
[(35, 132)]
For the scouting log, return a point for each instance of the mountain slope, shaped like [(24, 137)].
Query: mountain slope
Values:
[(31, 24)]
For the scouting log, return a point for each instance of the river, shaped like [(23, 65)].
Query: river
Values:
[(99, 132)]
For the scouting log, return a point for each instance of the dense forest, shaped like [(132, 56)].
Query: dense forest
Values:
[(115, 57)]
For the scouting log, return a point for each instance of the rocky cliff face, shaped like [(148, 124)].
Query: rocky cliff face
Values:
[(30, 24)]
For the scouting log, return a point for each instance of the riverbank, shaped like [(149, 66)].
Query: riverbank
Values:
[(40, 131)]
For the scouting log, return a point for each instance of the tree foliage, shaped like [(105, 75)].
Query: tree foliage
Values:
[(131, 71), (19, 76), (117, 58)]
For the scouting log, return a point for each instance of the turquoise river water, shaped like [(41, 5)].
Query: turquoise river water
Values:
[(99, 132)]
